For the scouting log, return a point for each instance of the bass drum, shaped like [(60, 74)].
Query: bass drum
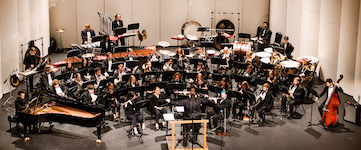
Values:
[(219, 40), (190, 28), (225, 24)]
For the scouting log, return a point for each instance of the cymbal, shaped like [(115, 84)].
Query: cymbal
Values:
[(60, 30), (163, 43)]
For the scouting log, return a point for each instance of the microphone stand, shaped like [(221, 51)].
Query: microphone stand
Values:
[(10, 96)]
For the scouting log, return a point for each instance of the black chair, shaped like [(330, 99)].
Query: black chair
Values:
[(278, 38), (244, 36), (74, 52)]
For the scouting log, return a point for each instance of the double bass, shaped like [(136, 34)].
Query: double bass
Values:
[(330, 117)]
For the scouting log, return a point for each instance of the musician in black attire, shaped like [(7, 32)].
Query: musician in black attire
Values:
[(177, 78), (153, 57), (133, 111), (328, 91), (251, 74), (87, 34), (58, 89), (242, 101), (31, 60), (115, 24), (106, 44), (295, 96), (111, 100), (89, 96), (264, 103), (218, 109), (288, 48), (47, 77), (224, 84), (20, 102), (108, 63), (265, 34), (192, 111), (156, 108)]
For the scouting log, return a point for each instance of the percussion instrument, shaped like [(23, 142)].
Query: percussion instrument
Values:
[(290, 66), (311, 59), (60, 30), (279, 56), (265, 60), (91, 45), (225, 24), (163, 43), (192, 37), (88, 55), (219, 40), (211, 52), (240, 49), (269, 50), (190, 28), (263, 54)]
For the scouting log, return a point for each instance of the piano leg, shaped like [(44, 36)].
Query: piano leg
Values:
[(26, 136), (99, 134)]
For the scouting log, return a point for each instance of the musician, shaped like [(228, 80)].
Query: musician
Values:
[(294, 97), (79, 83), (218, 109), (156, 108), (31, 60), (115, 24), (57, 89), (225, 54), (153, 57), (192, 111), (131, 56), (199, 82), (87, 34), (47, 77), (133, 111), (111, 100), (177, 78), (199, 68), (118, 74), (132, 82), (181, 57), (224, 84), (200, 53), (106, 44), (242, 101), (68, 69), (109, 62), (78, 79), (250, 73), (170, 66), (288, 47), (20, 102), (249, 58), (221, 70), (84, 64), (328, 91), (147, 67), (265, 34), (89, 96), (99, 76), (264, 103)]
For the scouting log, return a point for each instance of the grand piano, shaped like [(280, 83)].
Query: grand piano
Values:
[(52, 108)]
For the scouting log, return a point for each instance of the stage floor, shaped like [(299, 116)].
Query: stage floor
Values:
[(277, 134)]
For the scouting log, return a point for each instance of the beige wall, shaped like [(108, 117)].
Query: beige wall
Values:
[(24, 20), (161, 18)]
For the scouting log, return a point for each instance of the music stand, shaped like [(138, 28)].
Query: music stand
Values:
[(195, 61), (86, 83), (177, 86), (122, 48), (132, 63), (214, 89), (244, 36), (239, 78), (268, 66), (218, 77), (98, 38), (133, 26), (127, 76), (167, 117), (120, 30), (191, 75), (229, 45)]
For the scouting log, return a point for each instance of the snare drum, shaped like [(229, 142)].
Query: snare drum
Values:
[(88, 55), (265, 60), (211, 52), (312, 59)]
